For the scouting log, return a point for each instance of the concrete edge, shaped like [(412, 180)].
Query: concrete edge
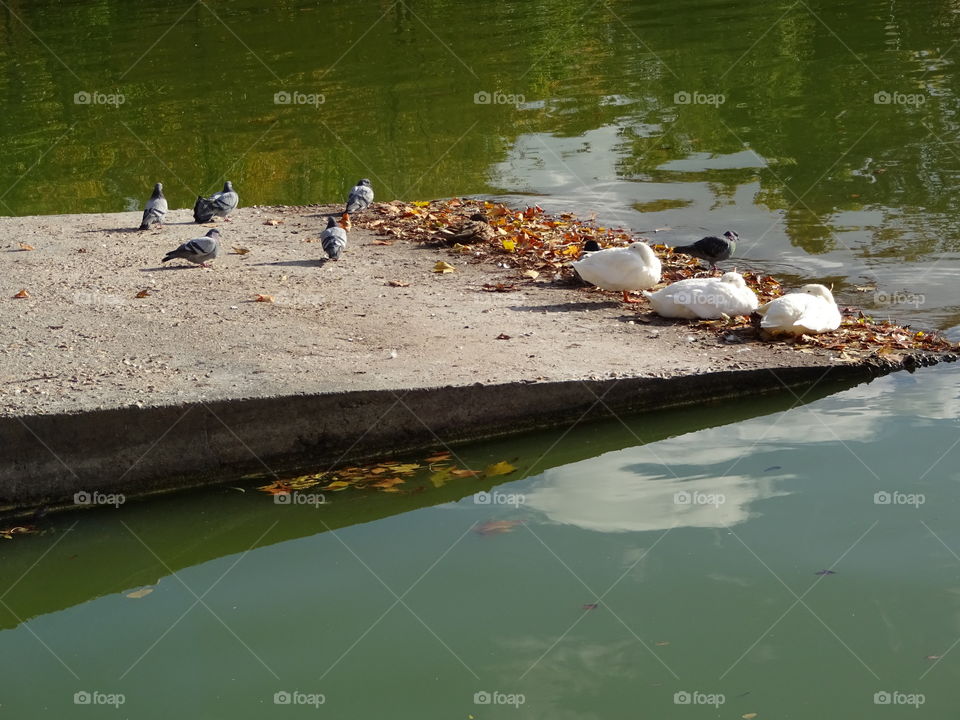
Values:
[(46, 459)]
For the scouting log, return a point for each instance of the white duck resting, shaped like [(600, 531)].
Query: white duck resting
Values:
[(810, 311), (635, 267), (704, 298)]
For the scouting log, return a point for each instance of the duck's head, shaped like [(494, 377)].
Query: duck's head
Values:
[(818, 290), (735, 279), (731, 236)]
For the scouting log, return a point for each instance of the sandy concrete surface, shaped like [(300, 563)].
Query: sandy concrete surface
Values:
[(83, 340)]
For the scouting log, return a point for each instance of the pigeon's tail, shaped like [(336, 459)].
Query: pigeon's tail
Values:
[(203, 210), (353, 204), (150, 217), (173, 255), (333, 246), (687, 250)]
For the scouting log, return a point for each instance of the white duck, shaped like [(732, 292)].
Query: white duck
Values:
[(810, 311), (704, 298), (634, 267)]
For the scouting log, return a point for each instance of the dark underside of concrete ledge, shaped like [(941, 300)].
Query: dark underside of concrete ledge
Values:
[(45, 459)]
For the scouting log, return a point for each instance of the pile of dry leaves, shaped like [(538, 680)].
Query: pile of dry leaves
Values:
[(533, 244)]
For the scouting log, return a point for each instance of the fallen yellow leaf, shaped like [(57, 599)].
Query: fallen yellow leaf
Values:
[(443, 267), (24, 246), (21, 295), (240, 251), (500, 468), (509, 245), (337, 485), (532, 274), (263, 298)]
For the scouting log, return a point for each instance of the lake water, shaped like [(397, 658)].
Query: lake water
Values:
[(772, 557)]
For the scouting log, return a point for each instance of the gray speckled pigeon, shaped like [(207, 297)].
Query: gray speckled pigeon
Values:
[(360, 196), (219, 204), (334, 239), (199, 250), (712, 249), (156, 208)]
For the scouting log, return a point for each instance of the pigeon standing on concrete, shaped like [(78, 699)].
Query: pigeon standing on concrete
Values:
[(199, 250), (219, 204), (712, 249), (156, 208), (360, 196), (334, 239)]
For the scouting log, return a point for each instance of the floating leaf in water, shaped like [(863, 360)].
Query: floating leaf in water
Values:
[(8, 533), (496, 527), (749, 716), (591, 606), (826, 572), (934, 657), (772, 468), (437, 457), (337, 485), (387, 483), (142, 592), (441, 476), (276, 488), (465, 473), (500, 468), (662, 643)]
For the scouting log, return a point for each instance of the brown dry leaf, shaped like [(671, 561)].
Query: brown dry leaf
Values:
[(142, 592), (532, 274), (496, 527), (8, 533), (465, 473), (398, 283), (21, 295), (503, 336), (143, 293), (24, 246), (273, 222), (387, 483), (240, 251), (310, 240), (263, 298), (382, 242), (443, 267), (437, 457)]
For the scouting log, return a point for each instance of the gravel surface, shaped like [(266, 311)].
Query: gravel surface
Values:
[(83, 339)]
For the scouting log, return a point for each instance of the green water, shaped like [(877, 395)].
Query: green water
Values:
[(587, 109), (606, 595), (395, 605)]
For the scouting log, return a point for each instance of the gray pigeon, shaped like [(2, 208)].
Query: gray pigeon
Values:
[(334, 239), (360, 196), (199, 250), (156, 208), (219, 204), (712, 249)]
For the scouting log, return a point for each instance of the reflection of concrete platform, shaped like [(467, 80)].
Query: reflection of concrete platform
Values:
[(195, 382)]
